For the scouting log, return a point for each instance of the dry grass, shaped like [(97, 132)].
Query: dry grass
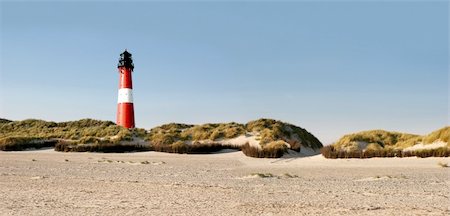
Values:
[(275, 151), (102, 147), (269, 131), (273, 130), (196, 148), (105, 136), (263, 175), (22, 143), (333, 153), (373, 137), (386, 144), (33, 133), (442, 134)]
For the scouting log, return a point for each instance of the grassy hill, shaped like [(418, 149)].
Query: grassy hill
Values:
[(442, 134), (380, 142), (2, 121), (374, 139), (273, 138), (29, 133)]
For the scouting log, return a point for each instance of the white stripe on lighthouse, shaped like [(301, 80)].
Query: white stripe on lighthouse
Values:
[(125, 95)]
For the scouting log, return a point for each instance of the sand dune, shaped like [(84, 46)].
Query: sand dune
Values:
[(421, 146), (45, 182)]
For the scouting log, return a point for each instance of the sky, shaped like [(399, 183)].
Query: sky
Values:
[(331, 67)]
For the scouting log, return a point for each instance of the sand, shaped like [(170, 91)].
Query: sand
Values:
[(422, 146), (44, 182)]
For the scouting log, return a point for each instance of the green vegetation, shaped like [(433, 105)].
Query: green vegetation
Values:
[(4, 121), (442, 134), (22, 143), (273, 130), (73, 130), (272, 135), (274, 150), (379, 143), (170, 133), (374, 138), (333, 153), (196, 148), (275, 137), (100, 147), (33, 133)]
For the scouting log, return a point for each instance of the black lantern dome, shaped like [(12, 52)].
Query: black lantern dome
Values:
[(125, 60)]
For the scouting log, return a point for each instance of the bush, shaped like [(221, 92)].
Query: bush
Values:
[(196, 148), (269, 130), (73, 130), (101, 147), (295, 145), (179, 147), (22, 143), (380, 137), (332, 153), (209, 148), (4, 121), (273, 151), (442, 134), (273, 130)]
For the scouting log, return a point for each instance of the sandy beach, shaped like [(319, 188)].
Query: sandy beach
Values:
[(45, 182)]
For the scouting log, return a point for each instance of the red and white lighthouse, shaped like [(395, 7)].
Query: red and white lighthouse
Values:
[(125, 109)]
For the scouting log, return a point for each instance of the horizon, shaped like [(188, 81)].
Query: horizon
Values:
[(332, 68)]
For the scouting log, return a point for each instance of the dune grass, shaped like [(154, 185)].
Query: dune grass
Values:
[(23, 143), (104, 136), (73, 130), (269, 151), (442, 134), (34, 133), (333, 153), (387, 144), (100, 147), (273, 130), (174, 136), (196, 148), (374, 137)]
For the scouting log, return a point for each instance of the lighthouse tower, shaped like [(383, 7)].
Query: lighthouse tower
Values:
[(125, 109)]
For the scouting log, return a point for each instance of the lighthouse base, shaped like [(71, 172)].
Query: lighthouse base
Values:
[(125, 115)]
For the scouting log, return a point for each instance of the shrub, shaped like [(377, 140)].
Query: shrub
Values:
[(380, 137), (216, 134), (196, 148), (74, 130), (235, 131), (22, 143), (179, 147), (273, 130), (295, 145), (209, 148), (442, 134), (274, 151), (101, 147), (332, 152), (4, 121)]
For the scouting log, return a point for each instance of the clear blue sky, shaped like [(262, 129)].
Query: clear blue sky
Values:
[(330, 67)]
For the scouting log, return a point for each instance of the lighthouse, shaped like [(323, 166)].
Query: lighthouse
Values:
[(125, 109)]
